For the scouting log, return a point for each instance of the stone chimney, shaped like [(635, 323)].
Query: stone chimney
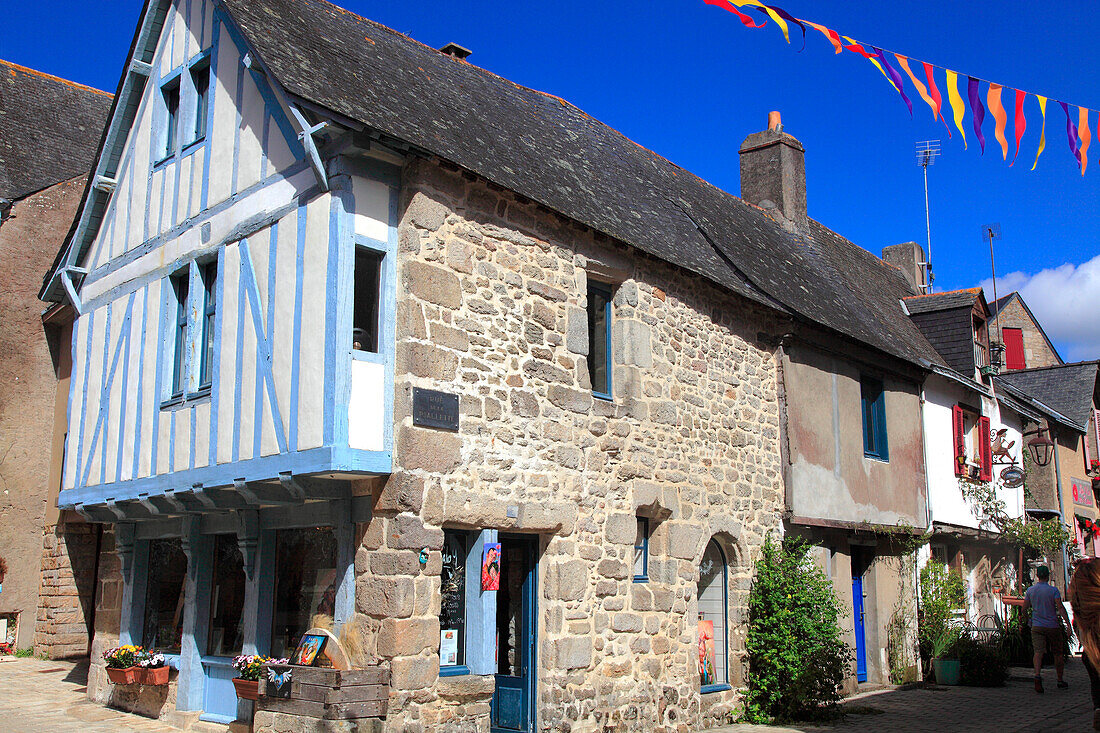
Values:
[(454, 50), (909, 258), (773, 173)]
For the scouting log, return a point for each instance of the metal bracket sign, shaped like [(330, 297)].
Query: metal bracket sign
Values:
[(433, 409)]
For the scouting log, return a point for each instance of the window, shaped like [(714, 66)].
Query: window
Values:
[(200, 80), (713, 673), (873, 400), (306, 581), (452, 599), (180, 286), (599, 339), (973, 443), (1014, 348), (163, 627), (209, 310), (641, 551), (226, 598), (171, 94), (368, 269)]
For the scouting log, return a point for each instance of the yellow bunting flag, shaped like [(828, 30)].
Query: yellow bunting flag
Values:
[(993, 100), (957, 108), (1085, 135), (1042, 130), (921, 89), (858, 48), (771, 13)]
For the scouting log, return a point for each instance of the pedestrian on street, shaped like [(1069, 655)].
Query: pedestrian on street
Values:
[(1045, 603), (1084, 597)]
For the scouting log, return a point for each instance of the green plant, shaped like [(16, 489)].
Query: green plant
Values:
[(797, 658), (945, 643), (122, 657), (1047, 536), (24, 653), (1016, 640), (984, 663), (941, 591)]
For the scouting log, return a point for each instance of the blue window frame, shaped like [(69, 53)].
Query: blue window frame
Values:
[(641, 551), (873, 400), (181, 287), (599, 339), (368, 289), (452, 603), (209, 311), (713, 619), (200, 82), (192, 338), (171, 95)]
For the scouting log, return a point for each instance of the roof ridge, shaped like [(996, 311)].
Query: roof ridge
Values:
[(1095, 362), (974, 291), (53, 77)]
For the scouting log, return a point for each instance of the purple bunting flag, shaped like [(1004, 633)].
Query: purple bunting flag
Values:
[(977, 108), (895, 78), (1071, 133)]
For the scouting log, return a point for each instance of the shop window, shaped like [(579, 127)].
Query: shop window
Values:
[(226, 630), (641, 551), (306, 581), (163, 627), (599, 339), (713, 622), (873, 400), (368, 270), (452, 600)]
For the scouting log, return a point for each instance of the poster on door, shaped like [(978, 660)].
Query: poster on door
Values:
[(490, 566), (708, 674)]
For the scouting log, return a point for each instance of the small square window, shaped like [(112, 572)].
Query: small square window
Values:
[(641, 551), (200, 80), (368, 269), (873, 400), (171, 94), (599, 339)]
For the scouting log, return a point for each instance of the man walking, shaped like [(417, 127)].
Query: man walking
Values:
[(1045, 603)]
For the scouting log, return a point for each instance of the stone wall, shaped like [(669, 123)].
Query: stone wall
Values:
[(1037, 350), (491, 298), (67, 595)]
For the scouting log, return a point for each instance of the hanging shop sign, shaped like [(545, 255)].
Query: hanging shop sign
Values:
[(1012, 477)]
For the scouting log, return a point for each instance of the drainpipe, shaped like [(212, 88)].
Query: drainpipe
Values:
[(1062, 512)]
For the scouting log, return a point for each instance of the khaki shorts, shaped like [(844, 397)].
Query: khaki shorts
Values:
[(1048, 640)]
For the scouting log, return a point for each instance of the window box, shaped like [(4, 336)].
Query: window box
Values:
[(126, 676)]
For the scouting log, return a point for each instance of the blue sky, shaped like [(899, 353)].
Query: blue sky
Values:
[(690, 82)]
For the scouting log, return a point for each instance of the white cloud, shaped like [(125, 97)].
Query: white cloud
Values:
[(1065, 300)]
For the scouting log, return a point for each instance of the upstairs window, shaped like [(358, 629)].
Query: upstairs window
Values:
[(192, 312), (873, 400), (972, 437), (1014, 348), (171, 94), (641, 551), (599, 339), (209, 278), (180, 287), (364, 321), (200, 81)]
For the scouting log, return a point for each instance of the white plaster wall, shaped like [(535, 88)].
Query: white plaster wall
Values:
[(366, 408)]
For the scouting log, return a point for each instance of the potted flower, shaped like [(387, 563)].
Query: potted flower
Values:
[(152, 669), (249, 668), (120, 663), (6, 648), (946, 668)]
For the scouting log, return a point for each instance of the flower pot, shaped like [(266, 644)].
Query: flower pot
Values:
[(247, 689), (1012, 600), (947, 671), (126, 676), (154, 675)]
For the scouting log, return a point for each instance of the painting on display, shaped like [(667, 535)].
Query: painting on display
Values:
[(308, 649), (708, 674), (490, 566)]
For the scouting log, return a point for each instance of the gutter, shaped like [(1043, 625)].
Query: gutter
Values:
[(1062, 513)]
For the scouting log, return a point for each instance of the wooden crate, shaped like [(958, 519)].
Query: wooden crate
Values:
[(331, 694)]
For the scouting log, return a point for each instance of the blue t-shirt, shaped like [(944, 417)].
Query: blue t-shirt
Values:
[(1044, 599)]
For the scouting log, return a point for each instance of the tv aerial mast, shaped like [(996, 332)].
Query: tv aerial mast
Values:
[(927, 152)]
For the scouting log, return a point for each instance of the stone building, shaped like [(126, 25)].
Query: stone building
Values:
[(1026, 343), (352, 346), (49, 128)]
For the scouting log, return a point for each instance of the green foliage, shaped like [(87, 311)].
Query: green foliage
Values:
[(984, 663), (1016, 640), (797, 659), (1043, 535), (24, 653), (941, 591)]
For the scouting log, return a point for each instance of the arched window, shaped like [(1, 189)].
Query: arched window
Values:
[(713, 626)]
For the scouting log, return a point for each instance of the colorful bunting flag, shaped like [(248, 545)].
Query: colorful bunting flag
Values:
[(1042, 130), (769, 9), (1085, 136), (895, 78), (957, 108), (725, 5), (976, 109), (1020, 122), (833, 36), (857, 48), (935, 92), (993, 99), (921, 90), (771, 13), (1071, 133)]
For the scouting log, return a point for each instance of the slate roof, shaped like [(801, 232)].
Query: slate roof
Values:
[(553, 153), (50, 129), (942, 301), (1068, 388)]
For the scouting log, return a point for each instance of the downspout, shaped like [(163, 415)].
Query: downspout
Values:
[(1062, 512), (784, 437)]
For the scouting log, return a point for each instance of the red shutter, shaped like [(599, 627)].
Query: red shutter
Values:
[(986, 473), (958, 434), (1014, 348)]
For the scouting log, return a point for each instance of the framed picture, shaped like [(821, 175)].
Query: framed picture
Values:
[(278, 682), (490, 566), (308, 648), (708, 674), (448, 647)]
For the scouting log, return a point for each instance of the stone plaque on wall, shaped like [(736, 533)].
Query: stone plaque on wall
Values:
[(433, 409)]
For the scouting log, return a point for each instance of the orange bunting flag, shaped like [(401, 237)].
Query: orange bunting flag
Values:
[(1021, 122), (833, 36), (1085, 135), (957, 108), (993, 100), (921, 90), (1042, 130), (934, 91)]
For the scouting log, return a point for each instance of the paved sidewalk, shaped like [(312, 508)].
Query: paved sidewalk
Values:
[(1014, 708), (39, 696)]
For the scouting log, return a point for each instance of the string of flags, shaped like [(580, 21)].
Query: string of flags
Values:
[(1078, 123)]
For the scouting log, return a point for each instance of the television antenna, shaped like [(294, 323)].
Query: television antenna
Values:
[(927, 152), (992, 232)]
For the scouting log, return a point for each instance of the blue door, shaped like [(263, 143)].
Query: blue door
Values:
[(857, 612), (219, 697), (513, 700)]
